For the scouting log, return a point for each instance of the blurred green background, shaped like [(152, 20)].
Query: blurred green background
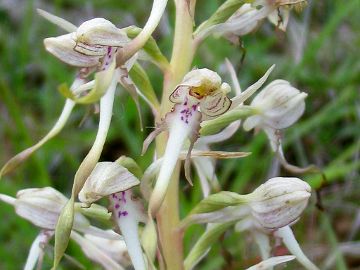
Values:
[(319, 55)]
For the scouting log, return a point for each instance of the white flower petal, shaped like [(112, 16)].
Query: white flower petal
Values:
[(99, 31), (40, 206), (36, 250), (223, 135), (293, 246), (183, 122), (106, 178), (252, 122), (95, 253), (239, 99), (273, 261), (280, 20), (263, 242), (7, 199), (63, 48), (128, 213), (62, 23), (116, 249)]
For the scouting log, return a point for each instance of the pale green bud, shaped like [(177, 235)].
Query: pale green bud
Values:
[(279, 104), (279, 201)]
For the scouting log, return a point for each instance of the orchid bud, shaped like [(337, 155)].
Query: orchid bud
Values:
[(42, 207), (279, 104), (106, 178), (279, 201)]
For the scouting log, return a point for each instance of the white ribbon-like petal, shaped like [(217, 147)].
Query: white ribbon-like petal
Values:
[(271, 262), (157, 11), (236, 101), (36, 250), (293, 246), (62, 23), (183, 122), (128, 213), (95, 253)]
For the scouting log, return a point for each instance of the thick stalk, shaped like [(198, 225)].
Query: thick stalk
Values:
[(182, 56)]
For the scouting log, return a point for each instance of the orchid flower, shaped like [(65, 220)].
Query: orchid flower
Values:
[(275, 213), (274, 205), (279, 106), (42, 206), (200, 95), (90, 47), (110, 179), (249, 16), (93, 46)]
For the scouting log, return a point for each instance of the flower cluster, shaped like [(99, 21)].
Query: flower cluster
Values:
[(198, 109)]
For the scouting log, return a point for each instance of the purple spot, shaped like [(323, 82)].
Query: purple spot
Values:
[(117, 206), (109, 50), (123, 196), (182, 118), (194, 107), (114, 196), (185, 103), (125, 213)]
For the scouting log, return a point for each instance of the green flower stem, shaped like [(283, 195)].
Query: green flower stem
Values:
[(182, 56), (215, 125)]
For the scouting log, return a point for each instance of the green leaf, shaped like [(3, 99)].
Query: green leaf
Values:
[(63, 231), (150, 47), (215, 125), (142, 81), (131, 165), (204, 244), (223, 13)]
